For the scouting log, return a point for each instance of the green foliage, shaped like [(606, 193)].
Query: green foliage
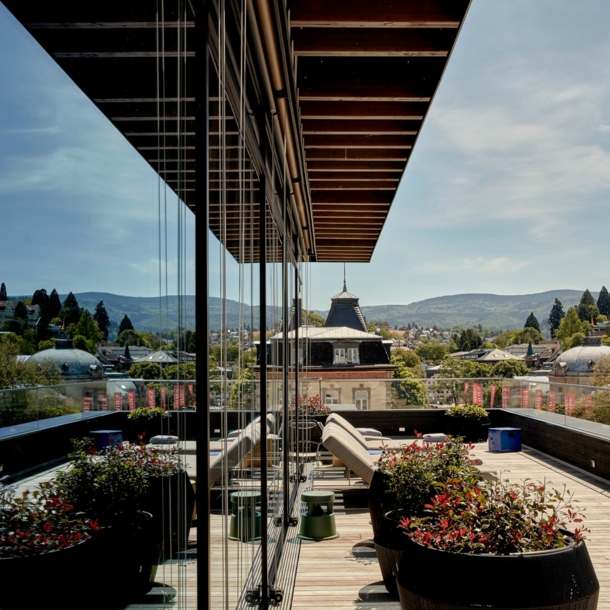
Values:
[(80, 342), (495, 517), (20, 312), (108, 488), (586, 301), (147, 414), (3, 296), (603, 302), (186, 370), (415, 471), (468, 412), (509, 368), (231, 352), (433, 352), (570, 326), (70, 312), (46, 344), (15, 374), (101, 318), (512, 337), (125, 324), (54, 305), (532, 322), (132, 337), (556, 316), (469, 339), (88, 328), (465, 369), (146, 370), (311, 318), (601, 372), (405, 357)]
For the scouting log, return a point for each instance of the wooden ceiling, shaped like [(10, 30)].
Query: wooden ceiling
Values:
[(367, 72)]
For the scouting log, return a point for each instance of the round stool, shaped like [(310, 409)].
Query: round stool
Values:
[(245, 519), (318, 523)]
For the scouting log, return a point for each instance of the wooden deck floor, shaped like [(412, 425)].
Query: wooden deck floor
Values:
[(343, 574)]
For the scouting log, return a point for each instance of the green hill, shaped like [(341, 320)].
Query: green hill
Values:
[(490, 310)]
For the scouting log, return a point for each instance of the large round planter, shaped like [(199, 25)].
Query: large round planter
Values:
[(65, 576), (380, 501), (472, 431), (393, 550), (563, 578), (171, 500), (132, 551)]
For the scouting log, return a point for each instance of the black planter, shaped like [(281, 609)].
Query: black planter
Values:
[(473, 431), (379, 500), (129, 554), (66, 576), (393, 550), (171, 501), (563, 578)]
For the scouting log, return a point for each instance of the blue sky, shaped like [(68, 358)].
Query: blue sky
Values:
[(507, 189)]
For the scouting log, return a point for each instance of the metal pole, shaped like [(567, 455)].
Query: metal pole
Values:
[(202, 140), (296, 365), (285, 363), (262, 202)]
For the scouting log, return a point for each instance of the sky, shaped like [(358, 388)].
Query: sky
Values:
[(506, 191)]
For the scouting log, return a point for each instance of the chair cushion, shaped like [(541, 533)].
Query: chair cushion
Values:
[(163, 439), (369, 431)]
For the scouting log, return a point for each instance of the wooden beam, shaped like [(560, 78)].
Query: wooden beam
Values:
[(355, 176), (381, 127), (357, 154), (343, 185), (363, 110), (385, 42), (330, 167), (376, 13), (379, 197), (358, 141)]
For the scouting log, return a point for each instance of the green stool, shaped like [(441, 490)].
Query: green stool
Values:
[(317, 523), (245, 519)]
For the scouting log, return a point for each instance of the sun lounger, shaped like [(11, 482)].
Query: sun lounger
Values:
[(367, 442), (234, 450)]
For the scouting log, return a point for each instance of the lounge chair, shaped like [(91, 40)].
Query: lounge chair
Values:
[(367, 442)]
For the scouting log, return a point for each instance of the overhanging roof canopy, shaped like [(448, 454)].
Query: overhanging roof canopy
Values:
[(366, 72)]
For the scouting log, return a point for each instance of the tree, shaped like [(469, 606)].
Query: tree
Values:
[(102, 319), (603, 302), (46, 344), (509, 369), (88, 328), (433, 352), (186, 370), (556, 316), (146, 370), (532, 322), (15, 373), (3, 296), (469, 339), (601, 372), (20, 312), (405, 357), (311, 318), (570, 326), (54, 305), (132, 337), (583, 307), (125, 324), (70, 312), (456, 369)]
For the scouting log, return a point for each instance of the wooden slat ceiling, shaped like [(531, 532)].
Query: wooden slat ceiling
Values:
[(367, 72)]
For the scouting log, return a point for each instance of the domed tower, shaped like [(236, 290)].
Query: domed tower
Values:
[(345, 311)]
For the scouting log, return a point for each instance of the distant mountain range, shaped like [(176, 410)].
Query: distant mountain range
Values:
[(490, 310)]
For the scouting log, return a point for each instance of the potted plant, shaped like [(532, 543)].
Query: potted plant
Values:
[(404, 482), (42, 536), (469, 421), (169, 497), (496, 528), (147, 422), (110, 488)]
